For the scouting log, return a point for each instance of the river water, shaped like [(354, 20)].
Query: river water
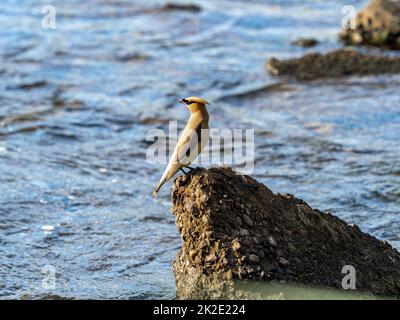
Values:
[(76, 103)]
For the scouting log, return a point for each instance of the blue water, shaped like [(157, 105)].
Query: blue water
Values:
[(76, 104)]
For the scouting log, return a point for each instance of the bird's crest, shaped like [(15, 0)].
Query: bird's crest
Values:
[(190, 100)]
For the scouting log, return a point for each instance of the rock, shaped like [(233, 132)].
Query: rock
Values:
[(247, 220), (296, 244), (192, 254), (305, 42), (253, 258), (211, 257), (172, 6), (272, 241), (235, 245), (378, 24), (283, 261), (339, 63)]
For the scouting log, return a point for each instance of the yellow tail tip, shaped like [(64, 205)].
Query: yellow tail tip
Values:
[(155, 193)]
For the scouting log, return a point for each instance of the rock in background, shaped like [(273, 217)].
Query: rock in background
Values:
[(235, 228), (335, 64), (378, 24)]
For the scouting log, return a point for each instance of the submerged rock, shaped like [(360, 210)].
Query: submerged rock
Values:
[(286, 240), (172, 6), (339, 63), (378, 24), (305, 42)]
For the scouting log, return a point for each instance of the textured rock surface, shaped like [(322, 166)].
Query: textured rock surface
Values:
[(235, 228), (378, 24), (334, 64)]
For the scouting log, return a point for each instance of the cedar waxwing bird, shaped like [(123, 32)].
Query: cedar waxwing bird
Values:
[(191, 142)]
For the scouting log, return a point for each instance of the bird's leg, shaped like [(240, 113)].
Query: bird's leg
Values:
[(190, 168), (182, 170)]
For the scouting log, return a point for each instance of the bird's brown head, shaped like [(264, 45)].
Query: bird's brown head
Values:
[(194, 103)]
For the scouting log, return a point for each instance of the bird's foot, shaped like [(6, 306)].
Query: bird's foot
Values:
[(190, 169)]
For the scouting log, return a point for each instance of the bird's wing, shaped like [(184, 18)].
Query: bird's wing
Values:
[(185, 152), (187, 148)]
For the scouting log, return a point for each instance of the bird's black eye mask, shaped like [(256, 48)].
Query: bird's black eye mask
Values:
[(186, 101)]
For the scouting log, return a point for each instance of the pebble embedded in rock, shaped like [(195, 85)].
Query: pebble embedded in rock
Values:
[(211, 257), (253, 258), (248, 220), (272, 241), (236, 245), (354, 226), (283, 261), (197, 260), (192, 253)]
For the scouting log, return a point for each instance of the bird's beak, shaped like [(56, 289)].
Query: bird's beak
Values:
[(181, 101)]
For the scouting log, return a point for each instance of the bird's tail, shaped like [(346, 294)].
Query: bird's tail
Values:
[(155, 192)]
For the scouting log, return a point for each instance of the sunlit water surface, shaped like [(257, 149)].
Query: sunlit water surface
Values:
[(77, 102)]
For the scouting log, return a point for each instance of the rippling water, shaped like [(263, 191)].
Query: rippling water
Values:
[(76, 104)]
